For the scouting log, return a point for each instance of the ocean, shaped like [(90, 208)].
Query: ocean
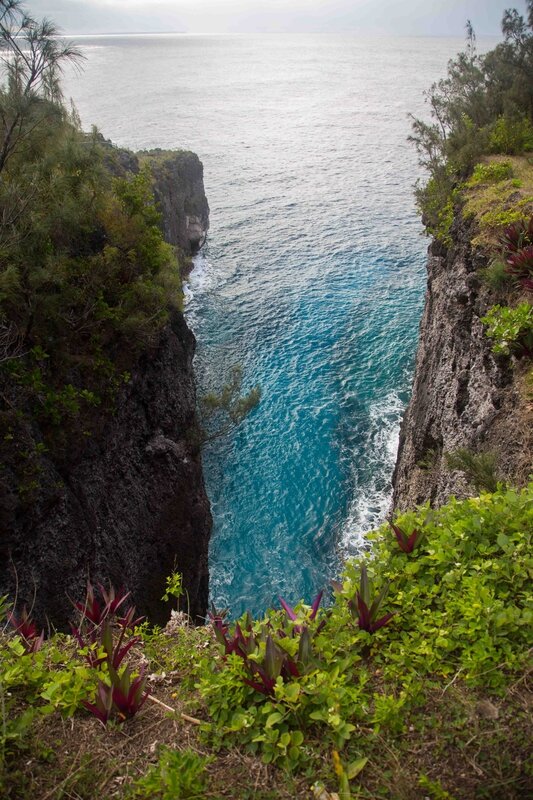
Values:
[(312, 279)]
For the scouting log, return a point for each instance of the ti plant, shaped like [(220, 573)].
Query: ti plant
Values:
[(406, 543), (105, 639), (363, 608), (264, 656), (293, 616), (517, 242), (517, 236), (124, 697), (27, 630)]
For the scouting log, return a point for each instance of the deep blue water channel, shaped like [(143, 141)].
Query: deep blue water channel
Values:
[(312, 279)]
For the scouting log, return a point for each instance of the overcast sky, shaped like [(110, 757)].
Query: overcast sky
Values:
[(403, 17)]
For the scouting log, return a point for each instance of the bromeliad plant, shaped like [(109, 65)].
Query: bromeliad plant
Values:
[(265, 652), (363, 607), (517, 243), (406, 543), (27, 630), (105, 639)]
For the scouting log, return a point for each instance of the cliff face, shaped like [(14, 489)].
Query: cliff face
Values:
[(179, 192), (463, 395), (178, 183), (129, 504)]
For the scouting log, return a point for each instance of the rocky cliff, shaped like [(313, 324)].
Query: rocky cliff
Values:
[(463, 395), (129, 504), (179, 192), (178, 182)]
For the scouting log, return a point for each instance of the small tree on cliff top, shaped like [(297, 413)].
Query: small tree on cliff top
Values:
[(478, 91), (31, 61)]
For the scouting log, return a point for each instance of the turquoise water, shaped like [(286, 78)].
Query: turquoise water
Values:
[(312, 279)]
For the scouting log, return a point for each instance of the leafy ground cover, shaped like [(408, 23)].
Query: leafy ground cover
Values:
[(477, 149), (411, 681), (499, 193)]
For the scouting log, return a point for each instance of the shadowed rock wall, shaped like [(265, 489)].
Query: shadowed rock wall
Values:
[(128, 504), (463, 395)]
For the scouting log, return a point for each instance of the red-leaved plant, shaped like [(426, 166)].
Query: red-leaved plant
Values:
[(517, 236), (406, 543), (218, 618), (363, 607), (517, 242), (264, 659), (105, 639), (293, 616), (27, 630), (123, 698), (520, 264)]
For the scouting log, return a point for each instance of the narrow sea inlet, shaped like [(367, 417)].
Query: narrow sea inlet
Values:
[(312, 279)]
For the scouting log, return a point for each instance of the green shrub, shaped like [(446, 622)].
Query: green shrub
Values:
[(178, 775), (496, 277), (86, 285), (221, 412), (501, 217), (482, 106), (511, 136), (494, 172), (462, 604), (173, 587), (435, 201), (480, 468), (511, 329)]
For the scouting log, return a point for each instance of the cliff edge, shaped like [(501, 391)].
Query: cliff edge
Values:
[(127, 504), (179, 193), (464, 396), (178, 186)]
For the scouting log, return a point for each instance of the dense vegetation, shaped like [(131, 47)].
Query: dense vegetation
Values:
[(86, 280), (478, 150), (412, 683), (484, 106)]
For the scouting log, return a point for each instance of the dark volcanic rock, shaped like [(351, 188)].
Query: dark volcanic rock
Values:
[(463, 395), (178, 189), (128, 504), (179, 192), (130, 510)]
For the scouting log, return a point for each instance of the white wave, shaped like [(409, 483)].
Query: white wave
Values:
[(200, 280), (371, 499)]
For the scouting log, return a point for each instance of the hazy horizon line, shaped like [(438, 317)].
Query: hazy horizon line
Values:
[(282, 33)]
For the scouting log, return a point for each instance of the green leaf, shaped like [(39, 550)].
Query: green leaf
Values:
[(353, 769), (292, 692), (285, 739), (503, 541), (273, 718), (297, 738)]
